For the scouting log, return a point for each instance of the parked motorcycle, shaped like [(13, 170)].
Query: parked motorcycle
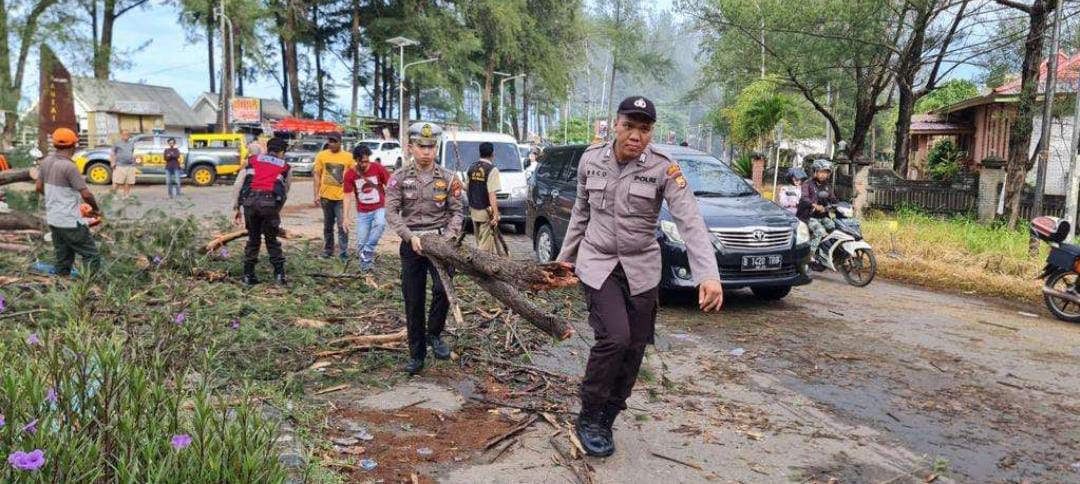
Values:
[(843, 250), (1062, 270)]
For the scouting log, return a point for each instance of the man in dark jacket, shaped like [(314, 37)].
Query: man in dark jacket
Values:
[(817, 195)]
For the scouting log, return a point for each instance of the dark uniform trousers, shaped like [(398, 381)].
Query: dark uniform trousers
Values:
[(262, 218), (414, 271), (623, 325), (67, 242)]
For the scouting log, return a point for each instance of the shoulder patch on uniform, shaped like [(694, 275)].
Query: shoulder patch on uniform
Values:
[(674, 169), (595, 146), (455, 187), (680, 181)]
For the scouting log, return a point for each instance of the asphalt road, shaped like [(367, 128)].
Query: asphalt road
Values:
[(884, 383)]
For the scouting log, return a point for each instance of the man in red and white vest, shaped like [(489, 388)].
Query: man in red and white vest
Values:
[(263, 188)]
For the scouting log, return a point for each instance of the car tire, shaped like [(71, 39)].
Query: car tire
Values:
[(202, 175), (99, 173), (771, 293), (544, 244)]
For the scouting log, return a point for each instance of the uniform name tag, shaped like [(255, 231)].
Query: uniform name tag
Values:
[(597, 173)]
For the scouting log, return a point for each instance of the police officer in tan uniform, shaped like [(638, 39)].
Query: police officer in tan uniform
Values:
[(423, 198), (611, 243)]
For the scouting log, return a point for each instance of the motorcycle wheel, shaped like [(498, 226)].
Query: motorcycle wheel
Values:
[(1063, 309), (859, 269)]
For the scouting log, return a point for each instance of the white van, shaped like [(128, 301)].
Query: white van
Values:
[(458, 151)]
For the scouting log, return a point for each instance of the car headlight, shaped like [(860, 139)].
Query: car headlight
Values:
[(802, 234), (518, 192), (671, 231)]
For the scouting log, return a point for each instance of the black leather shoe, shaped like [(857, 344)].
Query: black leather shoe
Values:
[(438, 348), (594, 437), (279, 276), (250, 279), (611, 412), (414, 366)]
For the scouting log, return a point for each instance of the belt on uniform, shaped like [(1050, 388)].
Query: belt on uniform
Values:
[(263, 194), (427, 232)]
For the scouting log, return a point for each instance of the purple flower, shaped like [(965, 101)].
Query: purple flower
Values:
[(158, 260), (1, 421), (181, 441), (50, 396), (3, 303), (31, 427), (235, 324), (32, 339), (180, 318), (27, 461), (224, 253)]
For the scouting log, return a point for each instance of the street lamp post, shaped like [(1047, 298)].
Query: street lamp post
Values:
[(401, 43), (502, 87)]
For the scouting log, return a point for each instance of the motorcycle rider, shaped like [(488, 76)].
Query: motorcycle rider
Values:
[(792, 193), (817, 196)]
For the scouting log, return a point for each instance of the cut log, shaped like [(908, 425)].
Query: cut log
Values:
[(222, 240), (504, 279), (20, 221), (20, 248), (372, 339), (522, 274), (15, 176)]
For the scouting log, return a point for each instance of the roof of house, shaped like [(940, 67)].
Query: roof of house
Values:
[(1068, 70), (937, 124), (130, 98), (272, 109)]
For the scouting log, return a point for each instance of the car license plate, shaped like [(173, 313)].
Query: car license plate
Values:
[(761, 262)]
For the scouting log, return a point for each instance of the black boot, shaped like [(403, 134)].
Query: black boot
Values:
[(249, 275), (414, 366), (438, 348), (611, 412), (594, 437), (279, 275)]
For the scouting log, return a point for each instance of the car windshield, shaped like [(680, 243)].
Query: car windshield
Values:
[(711, 178), (371, 145), (506, 155)]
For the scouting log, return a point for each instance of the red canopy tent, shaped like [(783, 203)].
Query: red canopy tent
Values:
[(310, 126)]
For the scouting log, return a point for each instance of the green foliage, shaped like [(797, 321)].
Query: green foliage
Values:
[(743, 165), (944, 159), (577, 130), (947, 94), (757, 110)]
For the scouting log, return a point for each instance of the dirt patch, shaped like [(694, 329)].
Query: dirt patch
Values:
[(415, 441)]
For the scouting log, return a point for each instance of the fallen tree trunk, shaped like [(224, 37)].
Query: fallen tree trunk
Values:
[(223, 239), (20, 248), (15, 176), (505, 279), (20, 221)]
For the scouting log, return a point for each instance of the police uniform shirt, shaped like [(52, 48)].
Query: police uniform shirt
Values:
[(419, 200), (614, 219)]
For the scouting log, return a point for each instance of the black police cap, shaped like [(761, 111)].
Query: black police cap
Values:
[(638, 105)]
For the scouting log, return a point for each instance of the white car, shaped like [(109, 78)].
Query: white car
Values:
[(459, 151), (386, 152)]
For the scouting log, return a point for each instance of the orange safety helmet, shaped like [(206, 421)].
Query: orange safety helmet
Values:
[(64, 138)]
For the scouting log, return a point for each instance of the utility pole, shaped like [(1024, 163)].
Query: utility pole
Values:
[(1047, 119), (1073, 184)]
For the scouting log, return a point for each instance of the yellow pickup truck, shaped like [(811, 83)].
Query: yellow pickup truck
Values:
[(203, 157)]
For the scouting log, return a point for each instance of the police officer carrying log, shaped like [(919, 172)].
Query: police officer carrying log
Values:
[(611, 241), (263, 188), (423, 198)]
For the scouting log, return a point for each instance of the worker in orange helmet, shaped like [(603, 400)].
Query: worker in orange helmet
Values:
[(65, 189)]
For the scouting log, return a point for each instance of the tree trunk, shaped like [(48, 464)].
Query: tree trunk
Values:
[(505, 278), (239, 56), (485, 103), (227, 54), (524, 109), (320, 94), (387, 81), (404, 106), (103, 49), (611, 96), (11, 84), (376, 91), (1019, 163), (20, 221), (354, 51), (284, 66), (291, 60), (210, 44), (14, 176), (416, 100), (905, 108), (512, 111)]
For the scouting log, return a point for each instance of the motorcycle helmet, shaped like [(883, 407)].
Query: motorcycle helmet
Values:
[(822, 165), (796, 172)]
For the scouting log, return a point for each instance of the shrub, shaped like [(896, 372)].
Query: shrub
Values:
[(943, 161)]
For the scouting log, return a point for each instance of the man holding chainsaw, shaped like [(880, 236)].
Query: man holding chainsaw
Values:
[(484, 210)]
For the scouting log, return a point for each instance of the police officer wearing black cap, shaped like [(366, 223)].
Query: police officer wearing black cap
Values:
[(621, 186), (263, 188)]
